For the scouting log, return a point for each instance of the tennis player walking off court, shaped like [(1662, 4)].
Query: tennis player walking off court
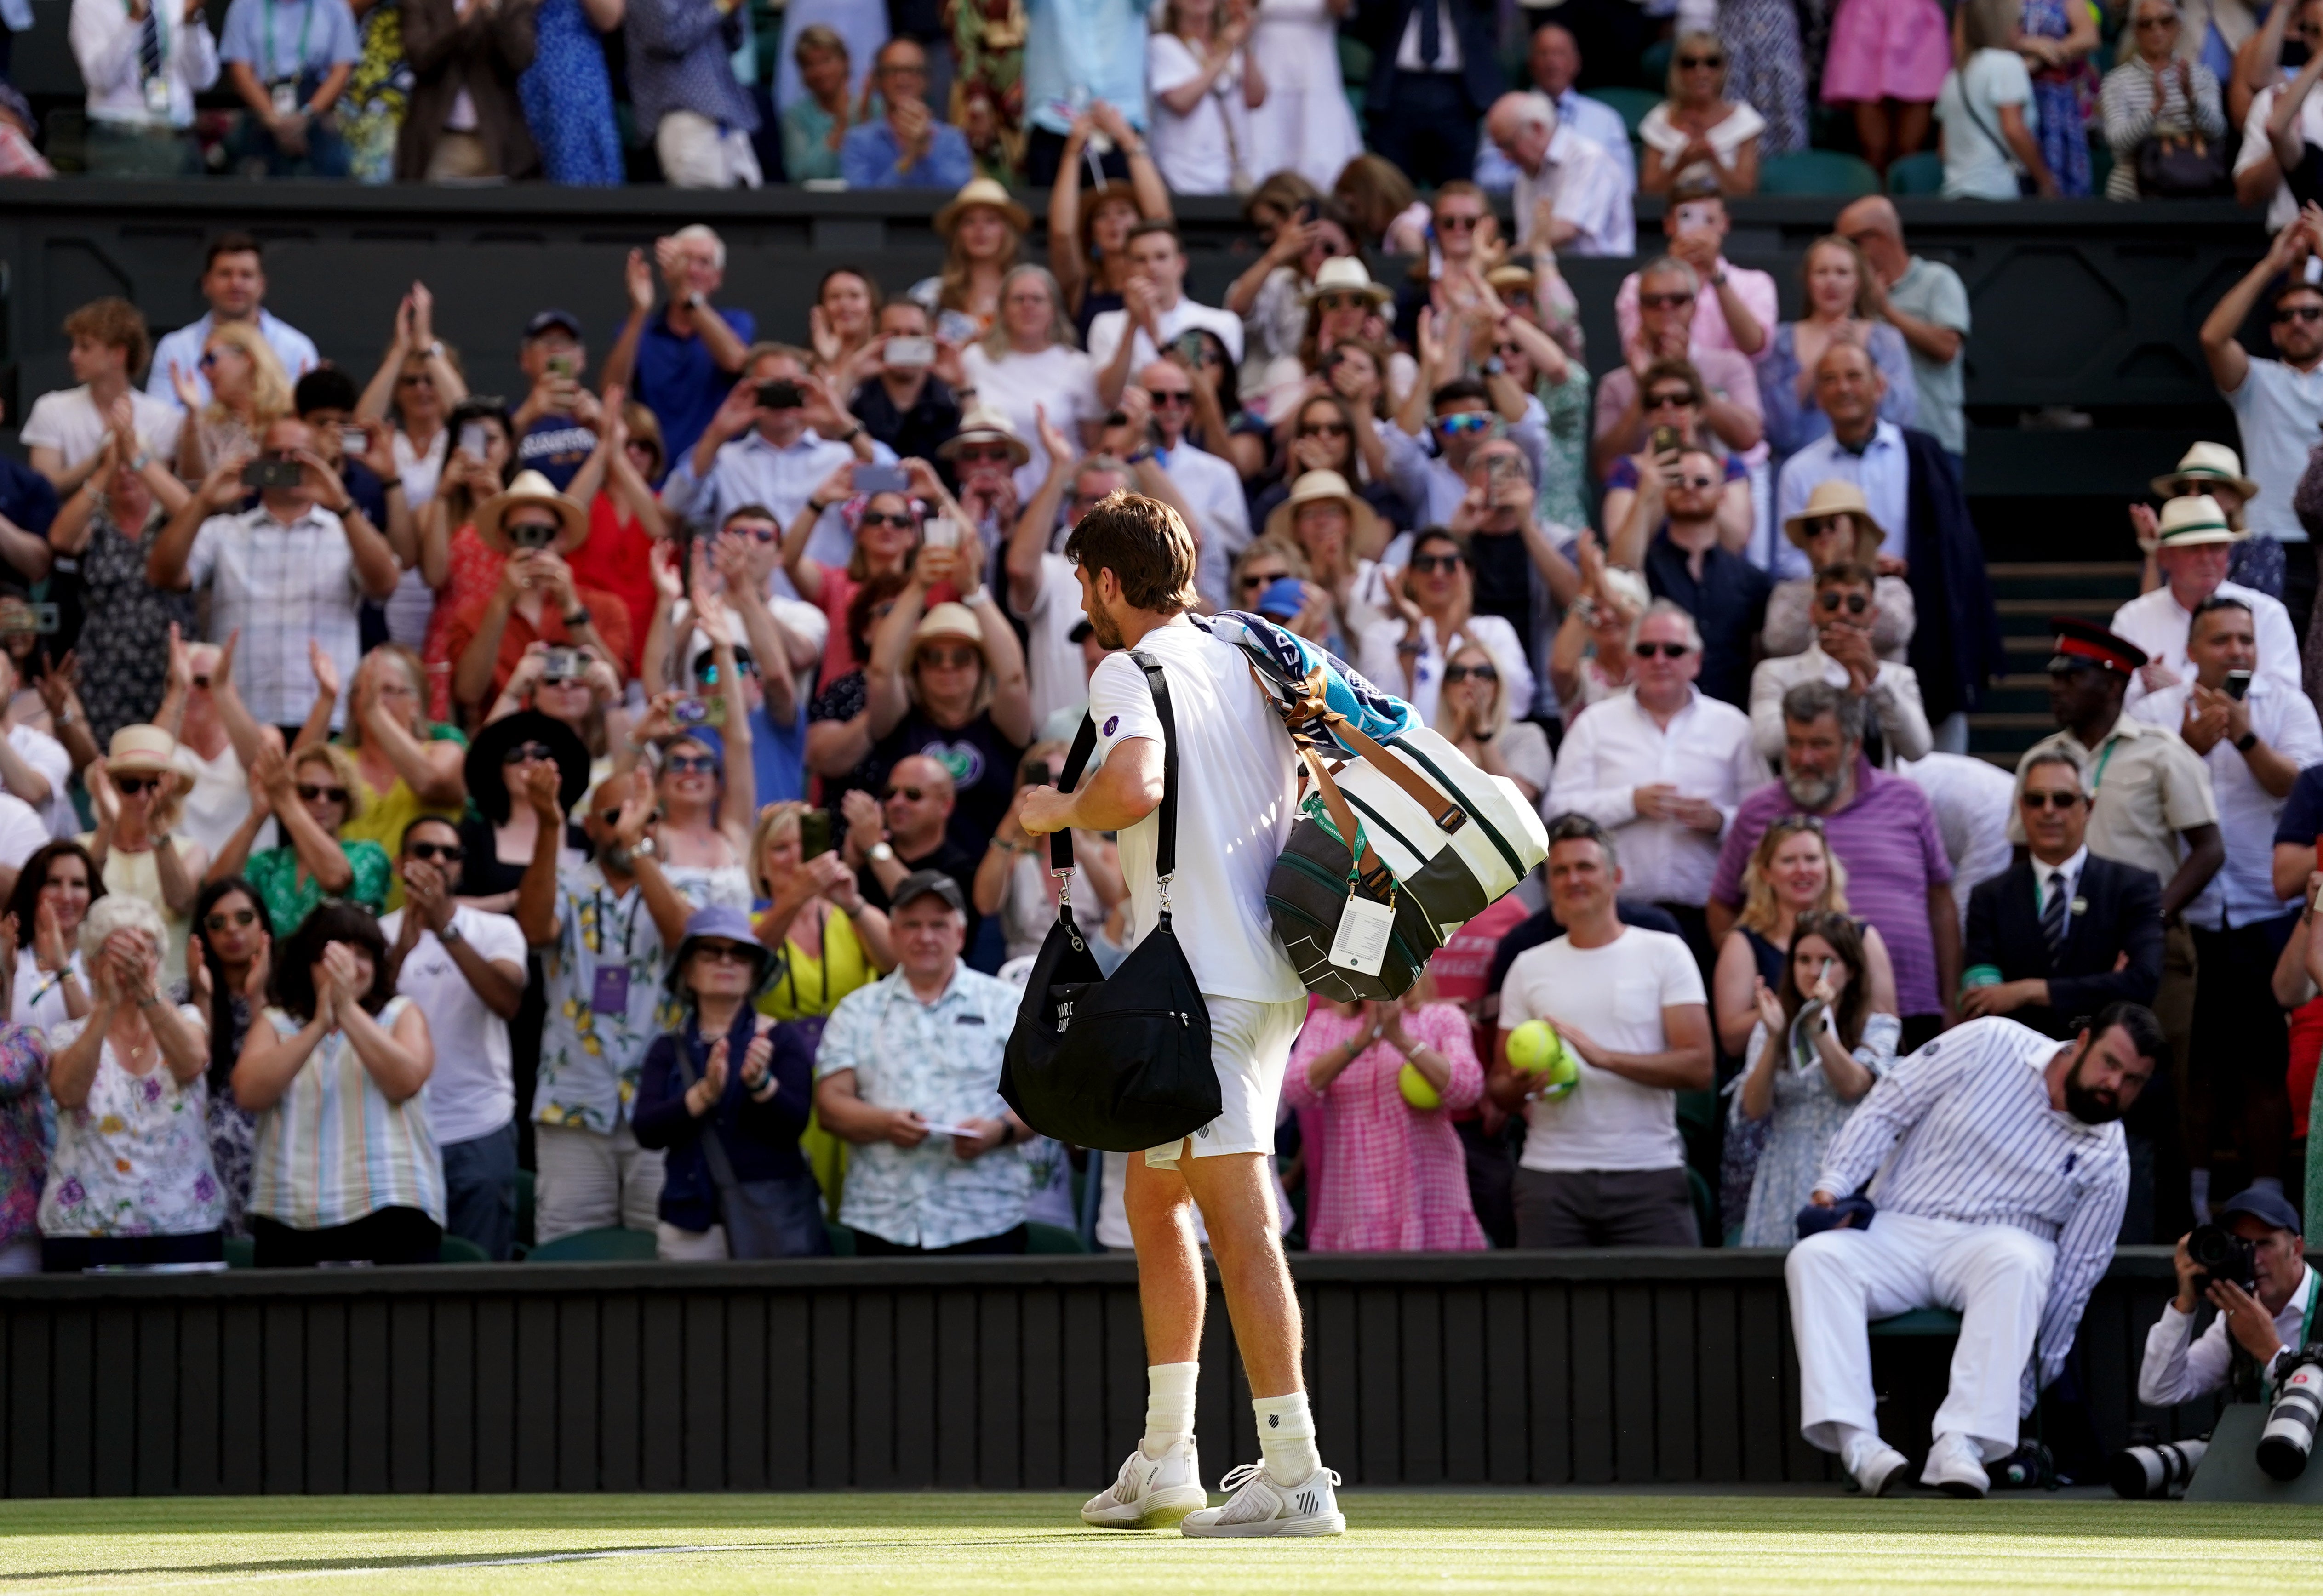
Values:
[(1238, 791)]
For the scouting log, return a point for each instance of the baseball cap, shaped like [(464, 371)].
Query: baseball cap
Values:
[(1283, 598), (919, 883), (546, 319), (2265, 1205)]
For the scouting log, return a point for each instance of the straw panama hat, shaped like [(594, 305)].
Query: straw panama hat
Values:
[(1318, 485), (980, 425), (1833, 497), (530, 487), (2204, 464), (978, 191), (2192, 519), (1344, 274)]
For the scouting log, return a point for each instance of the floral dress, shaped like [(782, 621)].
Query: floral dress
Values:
[(1768, 71), (233, 1129), (1807, 1115), (376, 96), (987, 85), (124, 656), (134, 1159), (2063, 94), (27, 1130), (568, 99)]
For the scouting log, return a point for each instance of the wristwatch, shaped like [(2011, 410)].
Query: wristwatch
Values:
[(879, 853), (450, 935), (578, 618), (1494, 367), (2245, 742), (850, 434)]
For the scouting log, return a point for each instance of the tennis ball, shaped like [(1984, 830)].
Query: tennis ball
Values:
[(1562, 1072), (1415, 1089), (1532, 1045)]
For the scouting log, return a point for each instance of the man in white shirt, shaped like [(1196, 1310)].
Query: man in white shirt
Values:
[(291, 571), (1209, 485), (2277, 403), (778, 435), (1232, 772), (1570, 195), (2258, 164), (1973, 799), (34, 766), (66, 430), (2003, 1174), (2246, 1347), (1155, 311), (22, 834), (142, 62), (1603, 1165), (465, 969), (1555, 65), (1662, 767), (2196, 545), (2254, 744), (234, 282), (1845, 607)]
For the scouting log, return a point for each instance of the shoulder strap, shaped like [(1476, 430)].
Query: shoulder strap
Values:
[(1077, 758), (714, 1149), (1165, 855)]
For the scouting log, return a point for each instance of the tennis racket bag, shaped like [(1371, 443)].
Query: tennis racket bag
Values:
[(1401, 840), (1124, 1064)]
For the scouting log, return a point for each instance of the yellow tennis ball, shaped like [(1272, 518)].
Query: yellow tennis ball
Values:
[(1532, 1045), (1415, 1089)]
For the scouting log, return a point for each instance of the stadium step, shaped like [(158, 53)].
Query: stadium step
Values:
[(2027, 594)]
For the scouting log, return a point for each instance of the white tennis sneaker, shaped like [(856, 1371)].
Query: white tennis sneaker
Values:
[(1258, 1505), (1956, 1467), (1151, 1493), (1877, 1467)]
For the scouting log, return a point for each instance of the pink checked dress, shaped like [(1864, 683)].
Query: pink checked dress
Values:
[(1887, 50), (1390, 1177)]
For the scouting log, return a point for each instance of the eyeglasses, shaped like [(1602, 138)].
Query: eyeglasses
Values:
[(132, 786), (1327, 429), (525, 753), (2049, 800), (1668, 398), (451, 853), (1465, 421), (1666, 651), (1693, 63), (2306, 313), (310, 792), (1830, 602), (1697, 483), (724, 953), (415, 380), (763, 531), (1341, 302), (693, 763), (950, 659), (909, 794), (1164, 397), (994, 456), (1669, 301), (223, 918), (1429, 564), (1483, 672), (1458, 223), (900, 520)]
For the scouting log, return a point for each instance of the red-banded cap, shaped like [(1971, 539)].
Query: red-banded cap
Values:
[(2081, 644)]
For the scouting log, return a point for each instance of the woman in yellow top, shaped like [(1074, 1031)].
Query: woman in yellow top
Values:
[(405, 764), (831, 942)]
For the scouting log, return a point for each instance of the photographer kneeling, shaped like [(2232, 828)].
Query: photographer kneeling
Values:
[(2258, 1331)]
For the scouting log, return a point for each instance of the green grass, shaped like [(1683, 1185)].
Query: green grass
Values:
[(1398, 1542)]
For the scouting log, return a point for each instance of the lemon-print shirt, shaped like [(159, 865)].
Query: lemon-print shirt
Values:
[(134, 1158), (589, 1059)]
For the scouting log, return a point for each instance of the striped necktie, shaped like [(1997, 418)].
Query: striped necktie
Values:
[(149, 44), (2052, 914)]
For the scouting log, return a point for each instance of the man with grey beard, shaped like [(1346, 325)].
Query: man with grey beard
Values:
[(1881, 828)]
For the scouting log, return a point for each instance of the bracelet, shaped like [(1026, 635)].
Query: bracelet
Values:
[(391, 485), (819, 507), (149, 1000)]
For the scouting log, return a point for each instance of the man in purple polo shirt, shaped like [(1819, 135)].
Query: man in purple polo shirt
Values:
[(1880, 827)]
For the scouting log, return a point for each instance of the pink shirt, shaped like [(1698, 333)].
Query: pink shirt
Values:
[(1756, 289), (1391, 1177)]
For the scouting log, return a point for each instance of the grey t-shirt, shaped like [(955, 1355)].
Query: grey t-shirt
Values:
[(1933, 292), (2279, 410)]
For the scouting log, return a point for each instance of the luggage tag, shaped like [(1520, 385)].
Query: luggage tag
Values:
[(1361, 942), (156, 97), (610, 993), (285, 98)]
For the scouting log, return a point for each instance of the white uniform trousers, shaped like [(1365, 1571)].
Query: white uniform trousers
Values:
[(1996, 1277)]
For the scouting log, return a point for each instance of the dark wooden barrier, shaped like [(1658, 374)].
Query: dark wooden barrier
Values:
[(1501, 1369)]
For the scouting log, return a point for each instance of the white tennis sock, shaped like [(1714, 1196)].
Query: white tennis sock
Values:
[(1169, 1406), (1286, 1439)]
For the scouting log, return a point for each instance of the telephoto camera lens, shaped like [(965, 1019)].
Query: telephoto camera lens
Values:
[(2155, 1473), (2290, 1433)]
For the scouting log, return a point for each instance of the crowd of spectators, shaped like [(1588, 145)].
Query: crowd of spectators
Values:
[(1988, 99)]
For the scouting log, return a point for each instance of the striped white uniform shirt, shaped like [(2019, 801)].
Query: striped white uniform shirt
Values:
[(335, 1149), (1975, 1141), (280, 585)]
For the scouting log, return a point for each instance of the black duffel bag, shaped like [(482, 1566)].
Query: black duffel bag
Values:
[(1119, 1065)]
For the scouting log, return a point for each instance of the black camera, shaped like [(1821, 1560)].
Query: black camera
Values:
[(2290, 1433), (2222, 1255), (781, 395), (2150, 1469)]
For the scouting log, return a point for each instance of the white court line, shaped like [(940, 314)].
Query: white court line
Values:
[(176, 1583)]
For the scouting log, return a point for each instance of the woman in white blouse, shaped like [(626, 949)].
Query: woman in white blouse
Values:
[(141, 122), (1204, 83), (1027, 363), (1698, 127)]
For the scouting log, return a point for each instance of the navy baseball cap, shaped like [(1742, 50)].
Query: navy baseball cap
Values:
[(2268, 1207), (1283, 598), (549, 319)]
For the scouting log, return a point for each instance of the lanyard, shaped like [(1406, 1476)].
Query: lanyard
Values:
[(629, 927), (305, 21), (2097, 779)]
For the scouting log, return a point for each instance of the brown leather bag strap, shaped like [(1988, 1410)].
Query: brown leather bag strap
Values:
[(1368, 869), (1447, 814)]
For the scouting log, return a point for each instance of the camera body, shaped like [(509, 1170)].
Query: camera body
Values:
[(2222, 1255)]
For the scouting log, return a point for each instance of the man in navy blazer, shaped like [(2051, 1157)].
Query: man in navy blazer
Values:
[(1434, 75), (2063, 932)]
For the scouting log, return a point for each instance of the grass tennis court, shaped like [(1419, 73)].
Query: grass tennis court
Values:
[(1396, 1542)]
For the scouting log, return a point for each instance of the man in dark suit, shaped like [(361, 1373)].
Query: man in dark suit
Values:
[(1434, 75), (2063, 932)]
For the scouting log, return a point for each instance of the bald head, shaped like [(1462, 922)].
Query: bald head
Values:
[(920, 771), (916, 802), (1872, 226), (1522, 124)]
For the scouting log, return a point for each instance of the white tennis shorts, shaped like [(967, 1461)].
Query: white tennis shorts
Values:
[(1250, 1046)]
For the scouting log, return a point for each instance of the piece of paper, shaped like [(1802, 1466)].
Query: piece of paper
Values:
[(937, 1130), (1361, 944)]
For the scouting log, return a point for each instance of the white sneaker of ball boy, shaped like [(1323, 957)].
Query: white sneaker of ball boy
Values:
[(1237, 793)]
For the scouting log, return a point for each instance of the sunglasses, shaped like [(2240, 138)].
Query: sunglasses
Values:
[(2049, 800), (1483, 672), (451, 853), (1465, 421), (2307, 313), (1830, 603), (724, 953), (609, 817), (2157, 22), (132, 786), (1665, 301), (203, 682), (1429, 564), (1164, 397), (950, 659), (1668, 399), (763, 531), (1665, 650), (1341, 302), (1697, 483), (1691, 63), (1458, 224), (1327, 429), (224, 918), (210, 358), (984, 456), (693, 763), (900, 520), (310, 792), (910, 794), (1251, 579)]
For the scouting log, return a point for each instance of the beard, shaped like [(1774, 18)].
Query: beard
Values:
[(1811, 793), (1102, 625), (2085, 1103)]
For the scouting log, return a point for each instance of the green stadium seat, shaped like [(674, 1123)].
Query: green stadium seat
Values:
[(1817, 172), (842, 1240), (595, 1246), (1654, 66), (1705, 1206), (1919, 173), (460, 1250), (1050, 1238), (240, 1252), (1928, 1321), (1631, 103), (1355, 62), (524, 1208)]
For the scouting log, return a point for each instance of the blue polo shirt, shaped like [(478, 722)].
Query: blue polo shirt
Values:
[(281, 38), (681, 383)]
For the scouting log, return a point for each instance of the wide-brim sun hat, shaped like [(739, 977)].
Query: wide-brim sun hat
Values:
[(1345, 274), (950, 618), (1834, 496), (1320, 486), (530, 487), (986, 191), (487, 781), (2204, 467), (141, 750), (985, 426)]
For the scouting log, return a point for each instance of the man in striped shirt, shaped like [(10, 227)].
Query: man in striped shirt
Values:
[(2005, 1178)]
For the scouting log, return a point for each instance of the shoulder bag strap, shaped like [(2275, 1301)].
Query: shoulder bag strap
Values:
[(721, 1169), (1165, 851), (1060, 842)]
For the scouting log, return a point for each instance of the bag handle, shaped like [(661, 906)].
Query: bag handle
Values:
[(1370, 872), (1303, 701), (1077, 758)]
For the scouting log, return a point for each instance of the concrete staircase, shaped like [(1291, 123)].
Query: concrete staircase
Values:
[(2016, 713)]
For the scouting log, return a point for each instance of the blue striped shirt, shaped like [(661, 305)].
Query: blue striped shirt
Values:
[(1975, 1141)]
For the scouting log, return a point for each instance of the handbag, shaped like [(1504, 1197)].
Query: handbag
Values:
[(781, 1218), (2182, 165), (1405, 834), (1118, 1064)]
